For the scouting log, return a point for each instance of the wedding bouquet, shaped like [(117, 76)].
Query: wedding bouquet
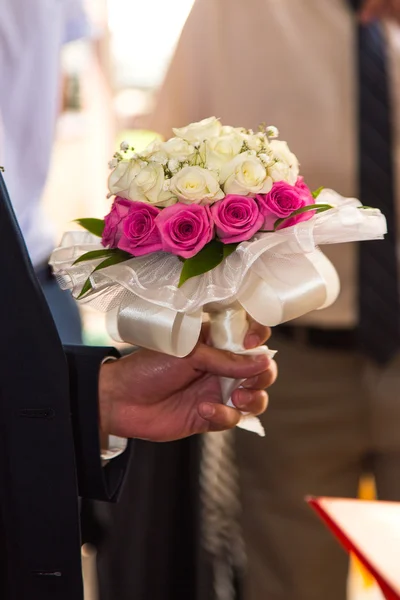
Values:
[(215, 220)]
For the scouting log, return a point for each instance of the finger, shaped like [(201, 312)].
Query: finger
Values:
[(256, 335), (205, 332), (265, 380), (218, 416), (252, 401), (227, 364), (160, 375)]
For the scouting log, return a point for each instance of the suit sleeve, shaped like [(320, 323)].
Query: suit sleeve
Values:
[(94, 481)]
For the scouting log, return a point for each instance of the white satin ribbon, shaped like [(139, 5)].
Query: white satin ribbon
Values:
[(141, 323), (279, 290), (274, 292), (227, 332)]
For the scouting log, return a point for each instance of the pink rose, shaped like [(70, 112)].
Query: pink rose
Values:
[(185, 228), (237, 218), (282, 201), (303, 187), (113, 222), (140, 234)]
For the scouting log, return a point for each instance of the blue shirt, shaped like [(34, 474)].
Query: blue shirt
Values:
[(31, 37)]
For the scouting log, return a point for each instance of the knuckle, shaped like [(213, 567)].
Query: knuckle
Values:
[(232, 356)]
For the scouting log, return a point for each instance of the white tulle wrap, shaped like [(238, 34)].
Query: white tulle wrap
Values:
[(274, 278)]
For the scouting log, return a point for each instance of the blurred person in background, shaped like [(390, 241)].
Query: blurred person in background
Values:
[(32, 35), (327, 74)]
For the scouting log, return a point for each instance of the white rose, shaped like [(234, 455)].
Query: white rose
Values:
[(173, 165), (286, 165), (178, 149), (155, 152), (220, 150), (198, 132), (159, 157), (150, 149), (195, 185), (280, 171), (245, 175), (257, 142), (122, 176), (225, 129), (148, 186)]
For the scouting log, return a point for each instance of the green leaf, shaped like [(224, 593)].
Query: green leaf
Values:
[(317, 192), (229, 249), (208, 258), (317, 207), (87, 286), (95, 226), (94, 254), (117, 257)]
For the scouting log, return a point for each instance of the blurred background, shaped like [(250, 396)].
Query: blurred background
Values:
[(108, 87), (109, 83)]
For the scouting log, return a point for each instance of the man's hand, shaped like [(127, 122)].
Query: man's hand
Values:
[(373, 10), (153, 396)]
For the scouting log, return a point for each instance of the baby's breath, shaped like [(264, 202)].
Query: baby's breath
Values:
[(272, 132), (125, 146), (113, 163)]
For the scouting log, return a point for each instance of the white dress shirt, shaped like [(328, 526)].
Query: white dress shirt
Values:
[(32, 33), (290, 63)]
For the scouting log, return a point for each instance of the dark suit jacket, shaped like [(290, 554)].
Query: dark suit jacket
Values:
[(49, 446)]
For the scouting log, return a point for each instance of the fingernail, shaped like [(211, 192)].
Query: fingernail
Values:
[(242, 398), (261, 358), (207, 410), (250, 383), (252, 340)]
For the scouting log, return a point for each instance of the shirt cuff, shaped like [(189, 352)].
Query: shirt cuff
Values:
[(116, 445)]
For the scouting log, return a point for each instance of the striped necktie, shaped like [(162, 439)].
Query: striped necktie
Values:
[(379, 309)]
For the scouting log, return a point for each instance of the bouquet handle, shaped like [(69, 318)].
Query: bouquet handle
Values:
[(228, 329)]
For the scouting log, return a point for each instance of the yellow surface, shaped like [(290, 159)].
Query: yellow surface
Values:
[(366, 492)]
